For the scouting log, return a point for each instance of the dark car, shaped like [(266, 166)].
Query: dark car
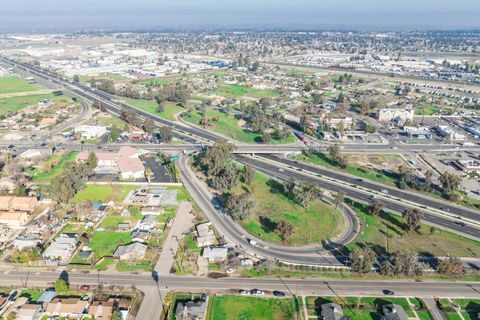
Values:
[(12, 296), (388, 292), (278, 294)]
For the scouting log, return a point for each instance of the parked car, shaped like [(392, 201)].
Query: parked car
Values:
[(244, 292), (278, 293), (84, 287), (231, 270), (257, 292)]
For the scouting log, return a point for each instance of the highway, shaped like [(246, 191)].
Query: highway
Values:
[(357, 194)]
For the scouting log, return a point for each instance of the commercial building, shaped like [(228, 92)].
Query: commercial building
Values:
[(90, 132), (394, 114), (125, 162), (417, 132), (449, 134), (468, 165)]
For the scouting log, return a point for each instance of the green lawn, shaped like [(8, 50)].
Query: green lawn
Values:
[(241, 91), (318, 222), (111, 222), (32, 294), (104, 193), (14, 84), (249, 308), (440, 243), (52, 167), (105, 243), (18, 103), (151, 106), (112, 120), (427, 110), (228, 125), (145, 265)]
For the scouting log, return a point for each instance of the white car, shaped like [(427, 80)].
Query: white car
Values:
[(231, 270), (257, 292), (384, 191), (244, 292), (280, 169)]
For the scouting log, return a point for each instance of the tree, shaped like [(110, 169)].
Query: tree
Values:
[(336, 156), (375, 207), (239, 207), (450, 183), (339, 198), (76, 78), (306, 193), (362, 260), (114, 133), (248, 174), (226, 179), (386, 268), (289, 188), (305, 122), (149, 125), (452, 266), (341, 128), (61, 286), (428, 180), (284, 229), (406, 263), (216, 157), (11, 316), (166, 133), (116, 315), (412, 218), (266, 137), (405, 173), (91, 162)]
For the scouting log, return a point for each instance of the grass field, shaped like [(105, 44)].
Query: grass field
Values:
[(18, 103), (241, 91), (365, 173), (228, 125), (151, 106), (14, 84), (105, 243), (104, 192), (52, 167), (249, 308), (439, 243), (318, 222)]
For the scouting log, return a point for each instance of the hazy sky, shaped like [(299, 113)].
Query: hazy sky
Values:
[(28, 15)]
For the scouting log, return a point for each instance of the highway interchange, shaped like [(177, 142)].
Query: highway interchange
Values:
[(439, 213)]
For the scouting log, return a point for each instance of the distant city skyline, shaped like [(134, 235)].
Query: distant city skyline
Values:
[(61, 15)]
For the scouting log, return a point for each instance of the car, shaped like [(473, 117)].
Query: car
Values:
[(460, 223), (84, 287), (388, 292), (203, 297), (231, 270), (253, 242), (445, 209), (384, 191), (278, 293), (244, 292), (280, 170), (12, 296), (257, 292)]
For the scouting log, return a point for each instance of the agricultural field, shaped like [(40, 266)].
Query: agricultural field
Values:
[(319, 221), (18, 103), (14, 84), (229, 125)]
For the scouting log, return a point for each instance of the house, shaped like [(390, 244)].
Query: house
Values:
[(147, 223), (125, 162), (10, 203), (131, 252), (46, 297), (25, 242), (61, 248), (152, 210), (394, 312), (191, 310), (90, 132), (30, 154), (140, 236), (101, 310), (13, 219), (205, 237), (332, 311), (29, 312), (72, 308), (215, 254)]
